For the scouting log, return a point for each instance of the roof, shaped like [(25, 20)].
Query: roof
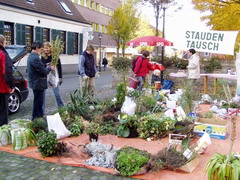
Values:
[(49, 7)]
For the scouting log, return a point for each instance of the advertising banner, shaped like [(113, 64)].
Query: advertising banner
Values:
[(219, 42)]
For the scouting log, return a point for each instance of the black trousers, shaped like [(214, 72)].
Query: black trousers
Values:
[(38, 104), (3, 109)]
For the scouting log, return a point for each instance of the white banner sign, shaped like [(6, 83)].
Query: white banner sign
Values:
[(220, 42)]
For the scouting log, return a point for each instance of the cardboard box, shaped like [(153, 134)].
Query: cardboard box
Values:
[(189, 167), (217, 128)]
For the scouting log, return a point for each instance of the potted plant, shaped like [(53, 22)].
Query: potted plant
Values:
[(221, 167), (92, 129), (128, 126)]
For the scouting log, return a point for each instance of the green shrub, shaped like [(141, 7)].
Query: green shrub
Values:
[(212, 64), (154, 126), (76, 129), (47, 144), (130, 160)]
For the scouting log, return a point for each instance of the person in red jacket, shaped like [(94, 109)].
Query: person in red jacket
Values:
[(142, 68), (6, 81)]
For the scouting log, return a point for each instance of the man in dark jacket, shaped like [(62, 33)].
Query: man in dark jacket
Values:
[(37, 77), (87, 70)]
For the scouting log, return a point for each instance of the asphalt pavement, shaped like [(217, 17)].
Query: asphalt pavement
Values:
[(70, 84)]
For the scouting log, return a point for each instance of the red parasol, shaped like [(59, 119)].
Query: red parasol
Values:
[(149, 41)]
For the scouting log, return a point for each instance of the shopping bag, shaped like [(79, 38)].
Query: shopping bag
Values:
[(129, 106), (53, 79), (55, 123), (19, 139)]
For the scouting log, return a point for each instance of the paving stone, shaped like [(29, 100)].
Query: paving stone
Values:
[(40, 170)]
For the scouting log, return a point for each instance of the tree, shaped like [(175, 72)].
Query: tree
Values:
[(224, 15), (123, 25), (145, 30), (158, 6)]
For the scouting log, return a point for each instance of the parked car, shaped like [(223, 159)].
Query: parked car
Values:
[(20, 94)]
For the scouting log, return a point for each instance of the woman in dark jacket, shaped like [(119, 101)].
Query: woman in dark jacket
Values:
[(6, 81), (46, 59)]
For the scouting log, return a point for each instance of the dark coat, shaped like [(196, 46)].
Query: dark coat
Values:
[(142, 67), (59, 65), (6, 72), (89, 64), (105, 61), (37, 73)]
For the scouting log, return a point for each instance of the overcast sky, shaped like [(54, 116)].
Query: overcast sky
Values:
[(187, 18)]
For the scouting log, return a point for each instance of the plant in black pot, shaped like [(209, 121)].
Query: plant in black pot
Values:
[(92, 129), (128, 126)]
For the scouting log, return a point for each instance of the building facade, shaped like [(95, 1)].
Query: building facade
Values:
[(25, 21), (98, 13)]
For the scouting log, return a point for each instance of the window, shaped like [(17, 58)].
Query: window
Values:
[(62, 36), (97, 7), (75, 45), (87, 3), (42, 34), (30, 1), (65, 7), (81, 2), (93, 26), (96, 27), (92, 5), (75, 1), (102, 29), (46, 35), (106, 10), (7, 30), (110, 12), (63, 40), (29, 37), (72, 47), (102, 10)]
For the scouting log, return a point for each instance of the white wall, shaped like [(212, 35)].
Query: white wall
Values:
[(15, 15)]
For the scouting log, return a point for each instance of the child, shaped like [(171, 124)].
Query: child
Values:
[(156, 79), (156, 76)]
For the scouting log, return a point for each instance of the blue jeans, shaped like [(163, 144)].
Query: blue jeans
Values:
[(105, 67), (140, 85), (58, 97)]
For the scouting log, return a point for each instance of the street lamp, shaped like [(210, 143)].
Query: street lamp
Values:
[(164, 7), (100, 48)]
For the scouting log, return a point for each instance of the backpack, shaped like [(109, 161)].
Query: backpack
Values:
[(167, 84), (134, 61)]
